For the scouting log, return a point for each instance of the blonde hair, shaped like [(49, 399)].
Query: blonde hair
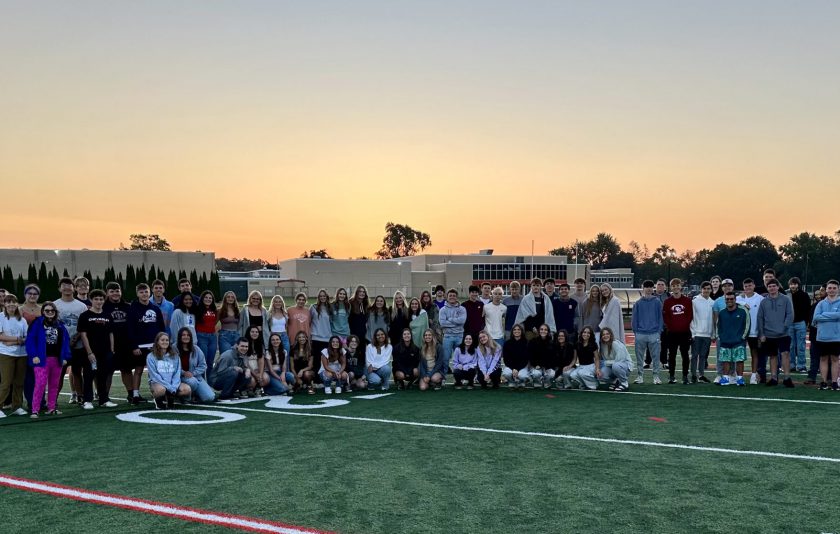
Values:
[(275, 299), (251, 295), (429, 350), (491, 343)]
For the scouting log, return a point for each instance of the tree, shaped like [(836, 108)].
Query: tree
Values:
[(147, 242), (241, 265), (602, 252), (320, 253), (402, 240), (811, 257)]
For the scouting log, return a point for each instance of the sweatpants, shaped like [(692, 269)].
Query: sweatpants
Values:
[(47, 377), (617, 371), (83, 373), (585, 375), (543, 375), (700, 347), (681, 341), (12, 375)]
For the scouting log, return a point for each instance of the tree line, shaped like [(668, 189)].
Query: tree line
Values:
[(47, 280), (813, 258)]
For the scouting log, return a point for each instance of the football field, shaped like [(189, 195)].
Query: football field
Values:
[(669, 458)]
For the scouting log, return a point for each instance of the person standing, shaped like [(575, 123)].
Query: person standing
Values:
[(97, 334), (206, 326), (647, 322), (751, 301), (300, 320), (117, 311), (159, 300), (48, 351), (799, 328), (775, 316), (229, 323), (512, 306), (13, 330), (452, 318), (475, 313), (814, 367), (145, 322), (702, 332), (565, 312), (255, 314), (827, 321), (535, 310), (69, 311), (494, 317), (320, 315), (359, 307), (733, 328), (677, 313), (612, 318)]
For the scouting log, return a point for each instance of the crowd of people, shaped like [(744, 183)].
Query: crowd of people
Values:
[(556, 335)]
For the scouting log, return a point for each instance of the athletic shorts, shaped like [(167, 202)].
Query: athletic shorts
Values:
[(753, 343), (829, 348), (734, 354), (408, 372), (773, 346), (127, 361)]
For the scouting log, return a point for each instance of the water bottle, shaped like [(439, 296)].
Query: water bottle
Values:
[(93, 365)]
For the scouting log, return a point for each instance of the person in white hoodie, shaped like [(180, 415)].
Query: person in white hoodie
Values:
[(702, 332)]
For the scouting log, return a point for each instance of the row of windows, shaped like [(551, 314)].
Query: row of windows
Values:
[(518, 271)]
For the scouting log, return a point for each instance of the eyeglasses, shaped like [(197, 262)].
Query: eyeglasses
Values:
[(48, 310), (34, 293)]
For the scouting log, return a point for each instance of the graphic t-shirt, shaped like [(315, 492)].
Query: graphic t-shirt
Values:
[(53, 335), (69, 313), (97, 328)]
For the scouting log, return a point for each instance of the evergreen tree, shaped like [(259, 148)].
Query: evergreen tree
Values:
[(43, 277), (20, 284), (32, 275), (194, 280), (214, 285), (130, 278), (172, 284), (8, 280)]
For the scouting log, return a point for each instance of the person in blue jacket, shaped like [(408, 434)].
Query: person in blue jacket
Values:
[(164, 366), (193, 366), (432, 363)]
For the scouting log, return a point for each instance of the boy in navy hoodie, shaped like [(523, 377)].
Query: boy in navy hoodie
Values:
[(145, 320)]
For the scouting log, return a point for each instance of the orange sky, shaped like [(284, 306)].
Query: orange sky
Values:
[(267, 131)]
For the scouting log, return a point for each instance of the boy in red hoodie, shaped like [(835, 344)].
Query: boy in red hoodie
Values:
[(677, 313)]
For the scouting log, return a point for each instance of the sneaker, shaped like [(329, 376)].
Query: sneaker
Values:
[(693, 379), (672, 380), (647, 366), (614, 385), (109, 404), (54, 412), (703, 379), (740, 381), (753, 379), (34, 416), (823, 386), (160, 404), (666, 367), (656, 380), (170, 401), (639, 380), (717, 379), (19, 411), (772, 382), (788, 382), (87, 406), (835, 387), (621, 388), (74, 399), (328, 390), (338, 390), (470, 387), (2, 415), (686, 381), (384, 388), (724, 381)]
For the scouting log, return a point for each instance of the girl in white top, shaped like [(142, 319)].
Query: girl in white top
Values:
[(13, 329), (378, 359), (277, 319)]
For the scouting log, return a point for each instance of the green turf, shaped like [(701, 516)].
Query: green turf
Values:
[(355, 476)]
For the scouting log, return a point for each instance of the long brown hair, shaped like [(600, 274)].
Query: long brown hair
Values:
[(157, 351), (11, 299), (229, 309), (587, 306), (359, 305)]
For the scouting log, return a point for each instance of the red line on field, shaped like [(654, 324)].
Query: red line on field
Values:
[(658, 419), (239, 522)]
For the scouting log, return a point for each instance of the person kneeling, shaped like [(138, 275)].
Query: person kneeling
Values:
[(333, 365), (617, 363), (229, 371), (164, 368), (432, 363), (193, 366)]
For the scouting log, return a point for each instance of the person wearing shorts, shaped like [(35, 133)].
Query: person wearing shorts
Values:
[(751, 300), (775, 316), (733, 328), (145, 322), (827, 321)]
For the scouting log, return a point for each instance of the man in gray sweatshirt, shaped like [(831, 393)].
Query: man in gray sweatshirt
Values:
[(452, 318), (647, 325), (775, 316)]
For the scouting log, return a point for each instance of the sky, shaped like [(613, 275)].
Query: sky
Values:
[(266, 128)]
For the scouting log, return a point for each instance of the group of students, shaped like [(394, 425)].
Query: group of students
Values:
[(194, 349)]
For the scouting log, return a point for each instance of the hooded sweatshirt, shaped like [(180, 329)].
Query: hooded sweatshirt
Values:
[(702, 322), (475, 316), (165, 371), (647, 316), (775, 315), (452, 319), (678, 313), (827, 320), (516, 353), (145, 321), (512, 305)]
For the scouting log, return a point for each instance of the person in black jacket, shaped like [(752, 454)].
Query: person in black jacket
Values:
[(565, 357), (406, 361), (144, 322), (799, 329), (515, 357), (542, 356)]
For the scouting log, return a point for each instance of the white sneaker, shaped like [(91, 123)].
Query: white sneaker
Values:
[(2, 415), (753, 379), (338, 390), (639, 380), (87, 406), (328, 390), (19, 411), (110, 404), (717, 379), (657, 381)]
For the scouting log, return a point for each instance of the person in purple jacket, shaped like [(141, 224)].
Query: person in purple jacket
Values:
[(489, 361), (48, 350), (164, 365)]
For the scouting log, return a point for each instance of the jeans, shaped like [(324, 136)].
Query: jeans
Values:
[(229, 383), (450, 341), (227, 339), (522, 376), (585, 376), (380, 376), (500, 341), (797, 333), (207, 343), (284, 338), (276, 387), (645, 343), (328, 380), (700, 347), (544, 376), (200, 388)]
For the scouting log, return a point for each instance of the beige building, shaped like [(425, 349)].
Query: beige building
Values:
[(76, 262), (415, 274)]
